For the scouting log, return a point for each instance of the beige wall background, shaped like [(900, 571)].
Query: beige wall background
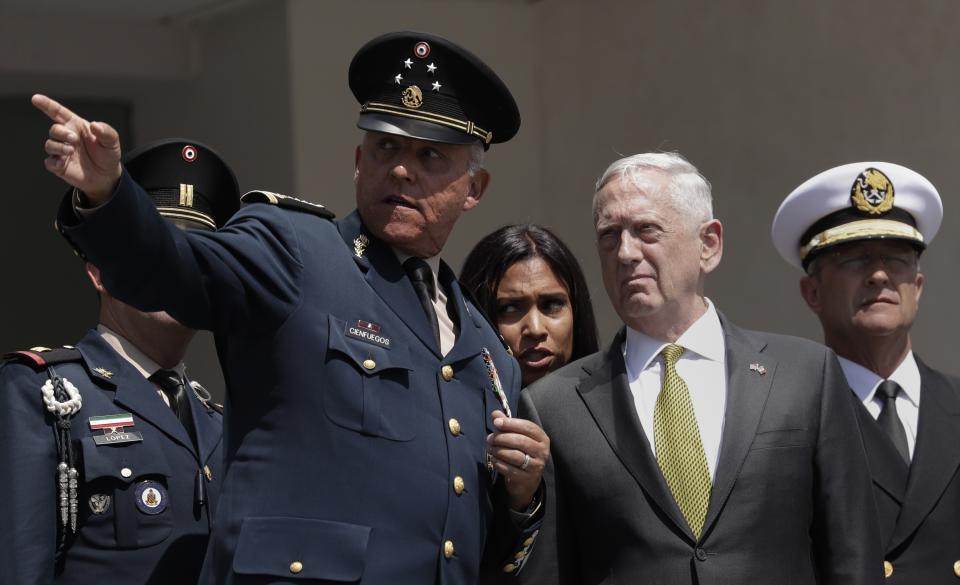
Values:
[(759, 95)]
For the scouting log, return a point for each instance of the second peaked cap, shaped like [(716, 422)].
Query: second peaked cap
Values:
[(190, 183)]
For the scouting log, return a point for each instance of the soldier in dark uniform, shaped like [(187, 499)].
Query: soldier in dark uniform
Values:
[(112, 456), (362, 384), (857, 231)]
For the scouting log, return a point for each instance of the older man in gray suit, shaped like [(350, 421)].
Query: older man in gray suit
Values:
[(692, 451)]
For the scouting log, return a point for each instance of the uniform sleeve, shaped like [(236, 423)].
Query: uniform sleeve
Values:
[(846, 538), (245, 275), (28, 498)]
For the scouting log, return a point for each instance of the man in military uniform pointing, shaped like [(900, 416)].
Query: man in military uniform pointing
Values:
[(362, 385), (113, 458)]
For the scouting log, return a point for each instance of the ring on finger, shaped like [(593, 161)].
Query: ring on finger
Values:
[(526, 461)]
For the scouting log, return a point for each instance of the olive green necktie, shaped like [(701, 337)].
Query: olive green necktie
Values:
[(679, 449)]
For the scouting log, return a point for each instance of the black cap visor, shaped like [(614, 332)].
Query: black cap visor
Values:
[(412, 128)]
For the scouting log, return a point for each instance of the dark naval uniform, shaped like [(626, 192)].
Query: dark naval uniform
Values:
[(917, 494), (919, 505), (355, 451), (138, 515)]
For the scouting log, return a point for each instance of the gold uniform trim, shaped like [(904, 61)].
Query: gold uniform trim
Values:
[(464, 125), (856, 230), (188, 214), (186, 195)]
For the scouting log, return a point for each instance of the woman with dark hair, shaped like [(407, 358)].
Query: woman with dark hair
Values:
[(531, 286)]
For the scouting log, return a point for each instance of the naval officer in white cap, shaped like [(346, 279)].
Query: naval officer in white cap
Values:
[(858, 231)]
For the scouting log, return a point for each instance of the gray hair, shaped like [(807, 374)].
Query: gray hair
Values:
[(689, 191), (476, 158)]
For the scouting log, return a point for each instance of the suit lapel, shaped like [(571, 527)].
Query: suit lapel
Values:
[(133, 392), (747, 392), (606, 394), (209, 431), (937, 453), (468, 343), (388, 279)]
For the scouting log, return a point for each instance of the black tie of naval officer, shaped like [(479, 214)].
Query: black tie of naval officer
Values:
[(421, 276), (889, 420)]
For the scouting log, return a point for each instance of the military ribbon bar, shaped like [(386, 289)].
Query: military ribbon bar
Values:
[(111, 421)]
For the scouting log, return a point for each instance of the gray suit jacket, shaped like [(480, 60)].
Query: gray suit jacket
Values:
[(919, 506), (791, 501)]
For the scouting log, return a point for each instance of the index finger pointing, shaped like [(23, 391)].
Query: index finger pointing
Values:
[(52, 108)]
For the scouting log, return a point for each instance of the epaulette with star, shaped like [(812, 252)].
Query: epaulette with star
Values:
[(287, 202)]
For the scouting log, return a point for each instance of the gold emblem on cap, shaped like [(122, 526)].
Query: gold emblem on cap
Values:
[(872, 192), (186, 195), (412, 97)]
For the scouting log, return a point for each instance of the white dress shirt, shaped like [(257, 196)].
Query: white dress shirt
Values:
[(448, 330), (137, 358), (702, 366), (864, 384)]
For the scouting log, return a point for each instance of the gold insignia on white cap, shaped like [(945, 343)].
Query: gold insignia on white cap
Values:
[(872, 192), (859, 230)]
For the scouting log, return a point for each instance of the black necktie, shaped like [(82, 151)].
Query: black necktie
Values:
[(174, 387), (889, 420), (421, 276)]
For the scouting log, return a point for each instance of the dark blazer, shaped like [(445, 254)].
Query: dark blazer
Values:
[(347, 431), (790, 503), (122, 543), (919, 506)]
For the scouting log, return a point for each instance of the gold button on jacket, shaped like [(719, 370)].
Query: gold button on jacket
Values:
[(887, 568), (458, 485), (447, 372), (956, 568), (448, 549), (369, 364), (454, 426), (296, 567)]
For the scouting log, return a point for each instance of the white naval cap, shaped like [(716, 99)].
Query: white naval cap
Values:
[(857, 201)]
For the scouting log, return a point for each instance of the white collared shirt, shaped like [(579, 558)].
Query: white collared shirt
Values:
[(702, 366), (864, 384), (137, 358), (448, 330)]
